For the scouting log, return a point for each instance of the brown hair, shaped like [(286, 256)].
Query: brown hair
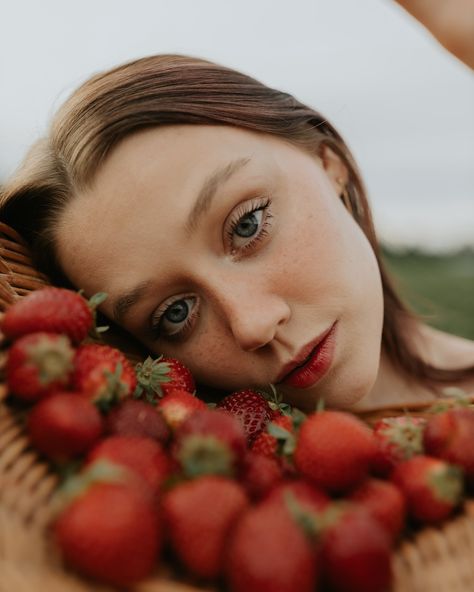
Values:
[(172, 89)]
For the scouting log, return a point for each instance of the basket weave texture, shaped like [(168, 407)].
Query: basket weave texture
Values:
[(437, 559)]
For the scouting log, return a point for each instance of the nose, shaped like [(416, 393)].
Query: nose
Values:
[(253, 314)]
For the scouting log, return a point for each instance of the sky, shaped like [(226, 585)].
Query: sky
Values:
[(403, 104)]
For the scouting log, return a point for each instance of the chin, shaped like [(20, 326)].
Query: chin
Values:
[(338, 393)]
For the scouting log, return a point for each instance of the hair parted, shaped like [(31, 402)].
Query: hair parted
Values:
[(168, 90)]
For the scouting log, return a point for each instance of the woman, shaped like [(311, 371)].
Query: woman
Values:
[(228, 224)]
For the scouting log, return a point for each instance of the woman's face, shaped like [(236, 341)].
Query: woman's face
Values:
[(232, 251)]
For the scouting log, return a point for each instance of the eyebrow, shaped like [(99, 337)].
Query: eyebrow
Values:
[(209, 190), (126, 301), (129, 299)]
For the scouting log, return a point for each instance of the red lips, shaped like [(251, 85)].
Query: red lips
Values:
[(312, 362)]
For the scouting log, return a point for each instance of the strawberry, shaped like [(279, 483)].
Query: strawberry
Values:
[(334, 450), (306, 494), (259, 474), (209, 441), (158, 377), (267, 444), (110, 532), (177, 405), (64, 425), (39, 363), (103, 374), (268, 550), (432, 487), (355, 551), (199, 516), (51, 310), (450, 436), (385, 502), (143, 456), (137, 418), (397, 439), (251, 408)]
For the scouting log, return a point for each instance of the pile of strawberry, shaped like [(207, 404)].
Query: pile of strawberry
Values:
[(248, 495)]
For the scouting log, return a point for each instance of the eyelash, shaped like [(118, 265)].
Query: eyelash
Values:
[(158, 316), (244, 210)]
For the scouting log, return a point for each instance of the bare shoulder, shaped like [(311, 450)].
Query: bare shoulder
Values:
[(445, 350)]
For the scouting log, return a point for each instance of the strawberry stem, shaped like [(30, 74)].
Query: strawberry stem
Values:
[(93, 303), (115, 391), (320, 405), (97, 299), (78, 483), (447, 484), (304, 517), (275, 400), (286, 441), (150, 375), (205, 455)]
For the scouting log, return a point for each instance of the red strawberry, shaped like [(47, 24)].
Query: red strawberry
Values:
[(39, 363), (111, 533), (177, 405), (307, 495), (53, 310), (267, 444), (269, 551), (158, 377), (64, 425), (251, 408), (397, 438), (385, 502), (210, 441), (199, 516), (334, 450), (103, 374), (275, 414), (143, 456), (137, 418), (450, 436), (355, 552), (259, 474), (432, 487)]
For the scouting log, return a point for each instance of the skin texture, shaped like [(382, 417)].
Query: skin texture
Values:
[(258, 306), (253, 304)]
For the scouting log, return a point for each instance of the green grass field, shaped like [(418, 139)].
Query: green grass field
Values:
[(440, 287)]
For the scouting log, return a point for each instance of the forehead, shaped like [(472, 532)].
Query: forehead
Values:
[(142, 194), (167, 165)]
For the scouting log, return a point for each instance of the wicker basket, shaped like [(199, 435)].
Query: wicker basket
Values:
[(434, 560)]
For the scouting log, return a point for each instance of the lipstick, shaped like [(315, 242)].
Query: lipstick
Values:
[(316, 364)]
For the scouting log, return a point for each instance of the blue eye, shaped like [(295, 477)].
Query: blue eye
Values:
[(175, 318), (249, 225), (177, 312)]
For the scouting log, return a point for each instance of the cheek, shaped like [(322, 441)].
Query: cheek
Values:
[(316, 258), (211, 357)]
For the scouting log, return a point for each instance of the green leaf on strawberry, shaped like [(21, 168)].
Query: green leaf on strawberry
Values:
[(116, 390), (275, 400), (286, 441)]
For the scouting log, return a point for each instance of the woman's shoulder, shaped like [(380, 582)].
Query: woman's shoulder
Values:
[(445, 350), (449, 352), (393, 391)]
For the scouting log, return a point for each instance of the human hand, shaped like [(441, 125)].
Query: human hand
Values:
[(451, 22)]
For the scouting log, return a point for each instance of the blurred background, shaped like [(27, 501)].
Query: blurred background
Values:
[(404, 105)]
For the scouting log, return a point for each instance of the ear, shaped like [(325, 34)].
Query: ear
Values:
[(335, 169)]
